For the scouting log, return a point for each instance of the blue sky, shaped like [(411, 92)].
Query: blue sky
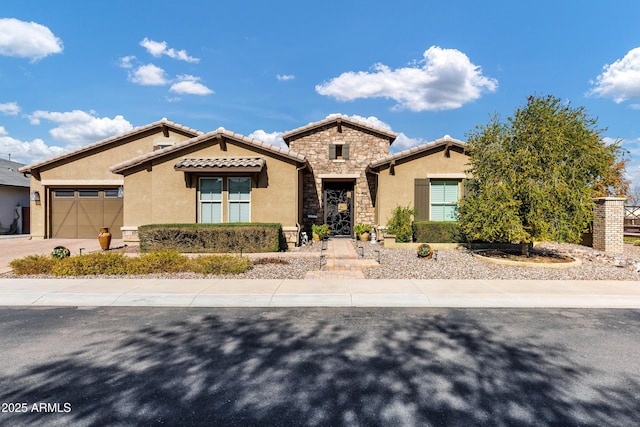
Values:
[(75, 72)]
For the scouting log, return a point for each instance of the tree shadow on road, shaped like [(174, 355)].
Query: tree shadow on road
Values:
[(271, 367)]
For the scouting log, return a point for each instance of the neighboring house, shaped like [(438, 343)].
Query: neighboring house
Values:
[(14, 196), (336, 171)]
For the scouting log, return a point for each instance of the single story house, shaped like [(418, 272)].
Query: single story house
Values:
[(337, 171), (14, 199)]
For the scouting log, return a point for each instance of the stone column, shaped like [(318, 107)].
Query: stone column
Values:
[(608, 224)]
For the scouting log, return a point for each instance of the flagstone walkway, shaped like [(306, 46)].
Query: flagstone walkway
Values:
[(340, 262)]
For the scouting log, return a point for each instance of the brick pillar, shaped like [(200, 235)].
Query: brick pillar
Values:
[(608, 224)]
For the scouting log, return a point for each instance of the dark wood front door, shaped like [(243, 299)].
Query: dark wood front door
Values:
[(338, 208)]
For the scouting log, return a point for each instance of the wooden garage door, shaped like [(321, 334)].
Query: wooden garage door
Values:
[(80, 213)]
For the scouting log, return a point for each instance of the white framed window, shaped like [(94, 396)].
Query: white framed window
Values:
[(239, 199), (210, 200), (444, 200)]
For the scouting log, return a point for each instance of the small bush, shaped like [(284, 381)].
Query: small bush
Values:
[(220, 264), (437, 232), (167, 261), (33, 264), (109, 263), (400, 223)]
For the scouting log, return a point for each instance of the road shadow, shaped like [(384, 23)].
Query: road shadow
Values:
[(288, 367)]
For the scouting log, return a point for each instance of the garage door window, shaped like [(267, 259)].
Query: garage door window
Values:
[(94, 194), (111, 193), (64, 193)]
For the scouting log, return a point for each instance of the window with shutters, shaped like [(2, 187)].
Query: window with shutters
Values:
[(444, 200), (339, 152)]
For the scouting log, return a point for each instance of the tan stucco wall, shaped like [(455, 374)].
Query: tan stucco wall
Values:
[(90, 169), (162, 195), (398, 189)]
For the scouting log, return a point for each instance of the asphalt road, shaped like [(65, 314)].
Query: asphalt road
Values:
[(355, 367)]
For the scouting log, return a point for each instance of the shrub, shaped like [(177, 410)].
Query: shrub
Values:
[(167, 261), (33, 264), (221, 238), (220, 264), (60, 252), (109, 263), (437, 232), (400, 223), (321, 230)]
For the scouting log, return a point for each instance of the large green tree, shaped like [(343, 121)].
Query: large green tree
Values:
[(534, 176)]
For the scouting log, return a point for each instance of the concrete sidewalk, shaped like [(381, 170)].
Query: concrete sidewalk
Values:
[(318, 293)]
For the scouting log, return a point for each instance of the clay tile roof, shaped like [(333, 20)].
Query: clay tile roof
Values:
[(218, 133), (132, 132), (220, 164), (446, 140), (339, 118)]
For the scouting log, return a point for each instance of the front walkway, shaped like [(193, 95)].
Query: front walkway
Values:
[(340, 262)]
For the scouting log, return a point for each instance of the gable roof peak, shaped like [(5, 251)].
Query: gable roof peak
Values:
[(135, 131), (339, 119)]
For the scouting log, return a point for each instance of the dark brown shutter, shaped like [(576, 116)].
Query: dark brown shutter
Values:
[(421, 198)]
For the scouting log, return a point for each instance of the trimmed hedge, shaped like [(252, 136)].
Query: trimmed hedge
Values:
[(216, 238), (437, 232)]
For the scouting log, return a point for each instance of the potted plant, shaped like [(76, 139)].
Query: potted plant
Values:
[(425, 251), (319, 232), (362, 231)]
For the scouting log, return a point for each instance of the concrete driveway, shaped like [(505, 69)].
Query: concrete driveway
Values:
[(12, 247)]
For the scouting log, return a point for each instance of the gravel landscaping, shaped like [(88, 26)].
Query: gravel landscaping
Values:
[(461, 264), (449, 264)]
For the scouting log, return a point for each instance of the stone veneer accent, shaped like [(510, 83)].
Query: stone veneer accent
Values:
[(608, 224), (364, 147)]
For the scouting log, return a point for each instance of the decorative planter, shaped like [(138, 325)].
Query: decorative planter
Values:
[(364, 236), (425, 251), (104, 238)]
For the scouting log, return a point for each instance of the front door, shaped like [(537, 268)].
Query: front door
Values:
[(338, 208)]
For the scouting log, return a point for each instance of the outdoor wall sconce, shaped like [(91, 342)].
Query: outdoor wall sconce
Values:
[(120, 192), (35, 197)]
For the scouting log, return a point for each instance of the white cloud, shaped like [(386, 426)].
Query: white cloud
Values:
[(27, 40), (190, 85), (157, 49), (444, 79), (79, 128), (273, 138), (126, 61), (620, 80), (148, 75), (3, 131), (371, 120), (26, 151), (285, 77), (10, 109), (403, 142)]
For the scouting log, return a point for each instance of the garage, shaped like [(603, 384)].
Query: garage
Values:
[(79, 213)]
